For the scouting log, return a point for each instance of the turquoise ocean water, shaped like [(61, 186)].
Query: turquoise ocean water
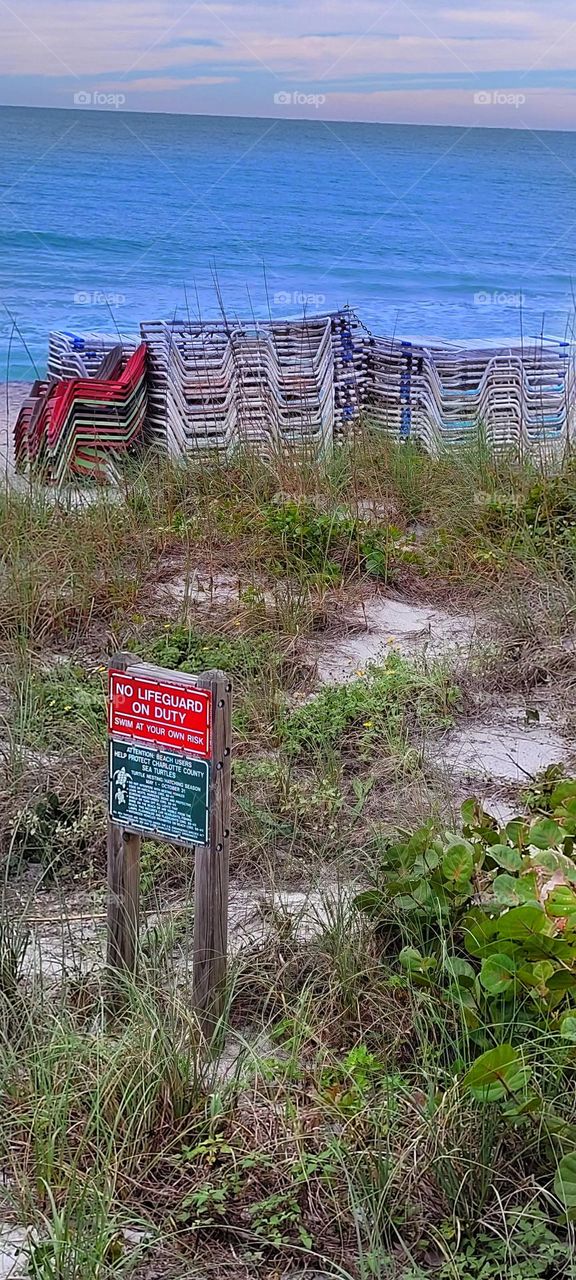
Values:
[(107, 218)]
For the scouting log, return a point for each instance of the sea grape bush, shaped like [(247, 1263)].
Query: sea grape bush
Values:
[(505, 899), (485, 921)]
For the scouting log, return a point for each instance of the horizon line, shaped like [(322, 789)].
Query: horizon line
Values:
[(211, 115)]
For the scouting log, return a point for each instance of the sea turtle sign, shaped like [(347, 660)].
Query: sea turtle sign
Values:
[(160, 743), (159, 792)]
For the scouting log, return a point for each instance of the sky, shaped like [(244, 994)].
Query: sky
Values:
[(422, 61)]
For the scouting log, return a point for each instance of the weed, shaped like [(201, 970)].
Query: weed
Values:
[(58, 832), (64, 707), (373, 710), (188, 649), (327, 544)]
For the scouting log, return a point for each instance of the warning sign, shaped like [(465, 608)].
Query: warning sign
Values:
[(160, 712)]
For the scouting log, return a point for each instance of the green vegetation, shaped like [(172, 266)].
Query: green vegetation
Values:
[(377, 708), (188, 649), (57, 833), (61, 707), (328, 544), (390, 1094)]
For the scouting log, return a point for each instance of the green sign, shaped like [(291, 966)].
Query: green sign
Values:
[(159, 792)]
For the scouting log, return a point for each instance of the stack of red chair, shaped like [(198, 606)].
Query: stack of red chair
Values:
[(80, 426)]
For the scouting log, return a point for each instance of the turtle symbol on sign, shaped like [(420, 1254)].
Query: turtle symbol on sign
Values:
[(121, 778)]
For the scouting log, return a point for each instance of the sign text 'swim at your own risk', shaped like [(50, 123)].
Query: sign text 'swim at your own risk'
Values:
[(157, 711)]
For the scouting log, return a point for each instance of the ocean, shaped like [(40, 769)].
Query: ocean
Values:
[(108, 218)]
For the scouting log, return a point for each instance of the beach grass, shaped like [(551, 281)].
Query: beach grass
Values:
[(329, 1130)]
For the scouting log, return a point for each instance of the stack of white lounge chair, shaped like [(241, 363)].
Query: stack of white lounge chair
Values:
[(221, 385), (514, 397)]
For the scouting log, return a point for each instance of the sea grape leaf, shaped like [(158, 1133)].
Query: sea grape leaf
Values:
[(471, 810), (562, 981), (458, 863), (425, 863), (545, 833), (507, 857), (496, 1074), (516, 831), (414, 962), (422, 892), (563, 792), (565, 1181), (561, 902), (542, 971), (568, 1028), (542, 945), (497, 974), (405, 902), (512, 890), (524, 922), (528, 1106), (475, 817), (551, 861), (479, 930), (536, 977), (460, 971)]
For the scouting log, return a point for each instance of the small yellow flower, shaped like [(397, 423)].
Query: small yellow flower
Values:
[(368, 724), (360, 673), (68, 708)]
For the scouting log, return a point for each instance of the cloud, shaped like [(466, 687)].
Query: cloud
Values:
[(159, 84), (496, 18)]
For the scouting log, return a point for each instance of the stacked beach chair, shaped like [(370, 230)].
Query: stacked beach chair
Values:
[(219, 386), (192, 386), (350, 344), (441, 397), (82, 426), (80, 355)]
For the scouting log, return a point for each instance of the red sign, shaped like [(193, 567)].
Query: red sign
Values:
[(171, 715)]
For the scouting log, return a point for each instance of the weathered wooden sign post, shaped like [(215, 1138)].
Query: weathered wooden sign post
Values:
[(169, 744)]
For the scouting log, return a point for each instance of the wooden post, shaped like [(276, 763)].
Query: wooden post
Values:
[(123, 897), (212, 865), (123, 882)]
